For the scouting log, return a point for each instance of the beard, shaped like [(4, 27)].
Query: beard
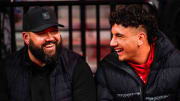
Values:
[(43, 56)]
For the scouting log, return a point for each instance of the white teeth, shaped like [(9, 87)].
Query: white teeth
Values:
[(49, 45), (119, 50)]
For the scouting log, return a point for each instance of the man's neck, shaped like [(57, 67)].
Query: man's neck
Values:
[(143, 55), (35, 60)]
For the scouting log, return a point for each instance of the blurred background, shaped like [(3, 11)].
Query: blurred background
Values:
[(87, 28)]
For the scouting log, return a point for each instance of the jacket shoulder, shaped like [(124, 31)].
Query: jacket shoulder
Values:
[(167, 53), (14, 58), (173, 58), (69, 59), (69, 56)]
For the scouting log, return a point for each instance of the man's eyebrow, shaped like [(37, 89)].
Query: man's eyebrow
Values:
[(48, 30), (118, 34)]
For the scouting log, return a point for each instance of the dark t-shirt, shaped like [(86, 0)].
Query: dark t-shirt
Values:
[(40, 84)]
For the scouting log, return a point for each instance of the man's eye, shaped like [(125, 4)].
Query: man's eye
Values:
[(54, 31), (40, 33), (118, 35)]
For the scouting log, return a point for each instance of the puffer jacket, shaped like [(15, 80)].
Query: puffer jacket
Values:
[(117, 81), (63, 85)]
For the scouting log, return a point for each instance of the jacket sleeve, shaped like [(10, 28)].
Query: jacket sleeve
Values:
[(3, 84), (83, 83), (103, 93)]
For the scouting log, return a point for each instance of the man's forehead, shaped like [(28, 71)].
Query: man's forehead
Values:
[(130, 29)]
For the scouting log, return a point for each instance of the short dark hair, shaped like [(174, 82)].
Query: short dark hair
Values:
[(137, 14)]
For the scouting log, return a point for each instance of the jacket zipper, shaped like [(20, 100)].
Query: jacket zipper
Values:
[(141, 93)]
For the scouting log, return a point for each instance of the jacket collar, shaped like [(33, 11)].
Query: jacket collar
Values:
[(113, 62), (163, 47)]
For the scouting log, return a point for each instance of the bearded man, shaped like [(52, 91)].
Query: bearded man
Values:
[(43, 70)]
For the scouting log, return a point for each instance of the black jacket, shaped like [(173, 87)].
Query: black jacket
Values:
[(117, 81), (70, 80)]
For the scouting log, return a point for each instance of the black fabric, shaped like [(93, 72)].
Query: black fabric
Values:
[(83, 85), (3, 84), (39, 82), (69, 80), (118, 84), (38, 19)]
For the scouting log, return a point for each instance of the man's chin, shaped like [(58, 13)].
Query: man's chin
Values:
[(121, 58), (50, 57), (50, 53)]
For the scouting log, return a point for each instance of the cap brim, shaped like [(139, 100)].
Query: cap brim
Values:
[(43, 27)]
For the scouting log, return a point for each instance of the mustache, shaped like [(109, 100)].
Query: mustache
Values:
[(49, 42)]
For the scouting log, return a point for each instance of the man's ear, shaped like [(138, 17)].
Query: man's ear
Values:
[(26, 37), (141, 38)]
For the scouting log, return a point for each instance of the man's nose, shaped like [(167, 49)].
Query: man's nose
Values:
[(49, 37), (113, 42)]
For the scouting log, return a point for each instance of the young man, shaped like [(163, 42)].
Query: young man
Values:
[(44, 70), (144, 65)]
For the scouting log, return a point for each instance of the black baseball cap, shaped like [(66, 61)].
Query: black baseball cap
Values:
[(38, 19)]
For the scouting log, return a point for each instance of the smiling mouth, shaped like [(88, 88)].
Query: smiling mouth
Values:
[(49, 45), (119, 51)]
